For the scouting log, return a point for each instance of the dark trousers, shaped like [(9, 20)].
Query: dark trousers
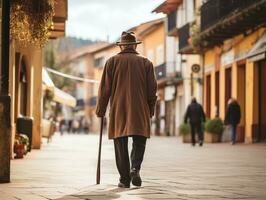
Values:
[(233, 133), (196, 128), (122, 156)]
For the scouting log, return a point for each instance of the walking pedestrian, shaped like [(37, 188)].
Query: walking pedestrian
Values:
[(196, 116), (232, 117), (129, 82)]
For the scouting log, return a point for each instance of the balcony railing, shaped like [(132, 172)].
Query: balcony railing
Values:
[(172, 24), (184, 35), (160, 71), (215, 10)]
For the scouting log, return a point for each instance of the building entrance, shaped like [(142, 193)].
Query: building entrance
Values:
[(262, 101)]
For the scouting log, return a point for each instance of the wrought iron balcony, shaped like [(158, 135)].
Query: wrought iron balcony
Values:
[(224, 19), (172, 23), (215, 10)]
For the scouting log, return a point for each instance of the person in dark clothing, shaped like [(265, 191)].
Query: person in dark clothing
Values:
[(196, 116), (232, 118), (129, 84)]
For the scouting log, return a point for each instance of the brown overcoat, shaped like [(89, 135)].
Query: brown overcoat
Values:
[(129, 82)]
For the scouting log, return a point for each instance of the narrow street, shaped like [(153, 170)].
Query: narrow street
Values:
[(65, 169)]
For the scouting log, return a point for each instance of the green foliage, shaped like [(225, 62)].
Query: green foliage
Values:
[(184, 129), (23, 139), (195, 36), (214, 126)]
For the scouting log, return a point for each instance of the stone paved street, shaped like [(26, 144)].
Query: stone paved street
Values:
[(65, 170)]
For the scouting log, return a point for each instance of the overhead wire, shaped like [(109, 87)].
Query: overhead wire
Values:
[(71, 76)]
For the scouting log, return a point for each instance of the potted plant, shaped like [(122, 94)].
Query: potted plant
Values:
[(24, 139), (213, 130), (184, 130), (21, 145), (19, 149)]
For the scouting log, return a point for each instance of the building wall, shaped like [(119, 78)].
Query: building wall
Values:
[(154, 45), (192, 84), (232, 54), (32, 58)]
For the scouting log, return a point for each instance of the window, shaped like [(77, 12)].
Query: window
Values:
[(80, 92), (99, 62), (228, 85), (82, 66), (150, 55), (159, 55)]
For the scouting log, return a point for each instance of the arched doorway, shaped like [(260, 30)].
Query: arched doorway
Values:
[(21, 86)]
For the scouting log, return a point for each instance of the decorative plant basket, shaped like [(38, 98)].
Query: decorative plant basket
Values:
[(30, 21)]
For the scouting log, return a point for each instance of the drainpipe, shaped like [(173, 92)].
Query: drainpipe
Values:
[(5, 99)]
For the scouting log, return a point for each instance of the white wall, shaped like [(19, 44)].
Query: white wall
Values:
[(185, 13)]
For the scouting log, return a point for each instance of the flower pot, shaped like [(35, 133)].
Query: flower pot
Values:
[(19, 150), (212, 138), (186, 138)]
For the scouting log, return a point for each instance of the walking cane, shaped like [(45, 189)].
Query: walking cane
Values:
[(98, 174)]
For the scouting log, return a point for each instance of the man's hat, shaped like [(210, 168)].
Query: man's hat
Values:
[(128, 38)]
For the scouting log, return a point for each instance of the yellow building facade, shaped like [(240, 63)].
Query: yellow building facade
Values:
[(229, 72)]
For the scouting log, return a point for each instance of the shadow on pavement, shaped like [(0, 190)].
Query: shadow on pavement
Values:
[(94, 193)]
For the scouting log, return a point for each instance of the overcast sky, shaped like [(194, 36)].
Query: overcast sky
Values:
[(97, 19)]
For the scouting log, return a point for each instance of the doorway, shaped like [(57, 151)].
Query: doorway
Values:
[(217, 94), (21, 86), (208, 96), (241, 98), (262, 100), (228, 85), (170, 118)]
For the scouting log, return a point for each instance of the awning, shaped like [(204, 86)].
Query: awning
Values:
[(258, 52), (59, 95)]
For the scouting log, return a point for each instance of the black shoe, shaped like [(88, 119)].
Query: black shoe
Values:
[(123, 185), (201, 143), (135, 177), (193, 144)]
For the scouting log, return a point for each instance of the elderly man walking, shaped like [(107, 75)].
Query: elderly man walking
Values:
[(128, 81)]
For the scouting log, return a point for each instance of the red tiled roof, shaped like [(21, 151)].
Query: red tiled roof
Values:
[(168, 6)]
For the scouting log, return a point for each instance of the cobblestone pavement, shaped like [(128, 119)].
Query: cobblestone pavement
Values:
[(65, 170)]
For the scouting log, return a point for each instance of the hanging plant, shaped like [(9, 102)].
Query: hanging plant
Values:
[(49, 95), (195, 36), (30, 21)]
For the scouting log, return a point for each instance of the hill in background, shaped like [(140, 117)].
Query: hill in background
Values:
[(66, 44)]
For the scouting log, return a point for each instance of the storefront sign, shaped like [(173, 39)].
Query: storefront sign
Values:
[(208, 68), (227, 58), (241, 55), (258, 57)]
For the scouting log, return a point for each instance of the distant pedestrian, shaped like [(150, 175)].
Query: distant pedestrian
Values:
[(232, 118), (62, 126), (196, 116), (129, 82)]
